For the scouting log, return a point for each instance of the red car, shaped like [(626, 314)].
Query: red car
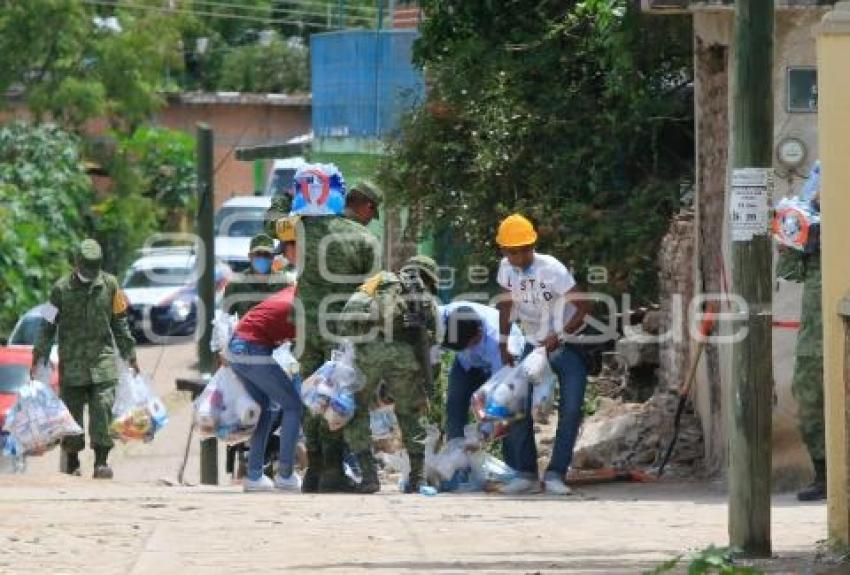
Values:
[(15, 362)]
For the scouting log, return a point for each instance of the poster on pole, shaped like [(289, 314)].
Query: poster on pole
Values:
[(749, 201)]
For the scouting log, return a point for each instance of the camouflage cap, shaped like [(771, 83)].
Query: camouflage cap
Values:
[(262, 243), (425, 265), (89, 255), (368, 190)]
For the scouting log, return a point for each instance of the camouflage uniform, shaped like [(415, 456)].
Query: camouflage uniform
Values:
[(390, 361), (354, 254), (91, 322), (807, 383)]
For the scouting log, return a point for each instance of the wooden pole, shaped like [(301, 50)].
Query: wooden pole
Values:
[(752, 374), (206, 284)]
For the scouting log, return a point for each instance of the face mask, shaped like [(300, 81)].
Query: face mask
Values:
[(262, 265)]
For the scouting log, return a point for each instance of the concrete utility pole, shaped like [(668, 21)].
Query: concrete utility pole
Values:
[(206, 284), (752, 373)]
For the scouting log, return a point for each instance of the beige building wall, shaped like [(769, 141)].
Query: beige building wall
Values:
[(238, 121), (794, 46)]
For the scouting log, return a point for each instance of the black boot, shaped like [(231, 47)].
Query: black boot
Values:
[(310, 483), (101, 467), (72, 463), (817, 490), (332, 479), (370, 482)]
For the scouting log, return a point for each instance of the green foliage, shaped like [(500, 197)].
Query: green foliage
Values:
[(711, 560), (276, 66), (44, 198), (575, 114), (73, 69), (164, 161)]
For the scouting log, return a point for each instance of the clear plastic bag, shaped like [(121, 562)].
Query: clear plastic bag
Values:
[(543, 397), (39, 419), (502, 397), (223, 326), (287, 362), (11, 459), (383, 422), (138, 414), (330, 390), (488, 472), (225, 410)]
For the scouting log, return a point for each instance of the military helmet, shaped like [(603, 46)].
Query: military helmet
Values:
[(262, 243), (89, 256), (368, 190), (425, 266)]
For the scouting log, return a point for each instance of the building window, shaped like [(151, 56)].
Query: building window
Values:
[(802, 89)]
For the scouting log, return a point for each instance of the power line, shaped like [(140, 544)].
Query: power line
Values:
[(293, 13), (317, 9), (203, 13)]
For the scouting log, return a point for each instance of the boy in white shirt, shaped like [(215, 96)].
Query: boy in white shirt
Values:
[(542, 295)]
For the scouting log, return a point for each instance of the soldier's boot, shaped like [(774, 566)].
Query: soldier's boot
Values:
[(72, 463), (369, 470), (817, 490), (332, 478), (417, 474), (310, 483), (101, 467)]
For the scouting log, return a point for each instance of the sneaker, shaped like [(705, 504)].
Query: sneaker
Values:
[(556, 486), (521, 485), (291, 483), (261, 484)]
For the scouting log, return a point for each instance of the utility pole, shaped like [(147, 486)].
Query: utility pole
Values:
[(752, 373), (205, 270)]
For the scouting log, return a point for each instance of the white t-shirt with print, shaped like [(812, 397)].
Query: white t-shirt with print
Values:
[(538, 295)]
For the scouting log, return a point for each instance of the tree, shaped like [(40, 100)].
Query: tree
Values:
[(45, 196), (76, 61), (274, 66), (576, 114)]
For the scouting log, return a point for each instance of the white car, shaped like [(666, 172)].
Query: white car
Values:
[(283, 175), (163, 294), (237, 221)]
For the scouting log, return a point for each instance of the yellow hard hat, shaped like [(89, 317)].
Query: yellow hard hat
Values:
[(516, 231), (285, 228)]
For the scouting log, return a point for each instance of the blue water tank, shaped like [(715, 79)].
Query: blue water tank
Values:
[(363, 81)]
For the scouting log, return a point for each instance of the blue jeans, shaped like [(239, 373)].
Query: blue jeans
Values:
[(462, 384), (277, 395), (571, 371)]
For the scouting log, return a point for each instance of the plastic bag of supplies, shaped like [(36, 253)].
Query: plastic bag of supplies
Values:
[(330, 391), (225, 410), (39, 419), (138, 414), (223, 326)]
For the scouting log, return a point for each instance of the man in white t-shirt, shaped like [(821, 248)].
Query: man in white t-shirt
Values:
[(541, 294)]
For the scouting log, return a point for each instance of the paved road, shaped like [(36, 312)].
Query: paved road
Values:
[(51, 523)]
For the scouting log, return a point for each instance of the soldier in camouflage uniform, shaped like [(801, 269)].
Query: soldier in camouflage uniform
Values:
[(363, 201), (246, 290), (807, 383), (352, 254), (90, 318), (400, 307)]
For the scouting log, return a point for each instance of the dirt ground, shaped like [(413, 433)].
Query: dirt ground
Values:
[(51, 523)]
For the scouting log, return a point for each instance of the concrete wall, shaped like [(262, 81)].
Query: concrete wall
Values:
[(237, 124), (714, 56)]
